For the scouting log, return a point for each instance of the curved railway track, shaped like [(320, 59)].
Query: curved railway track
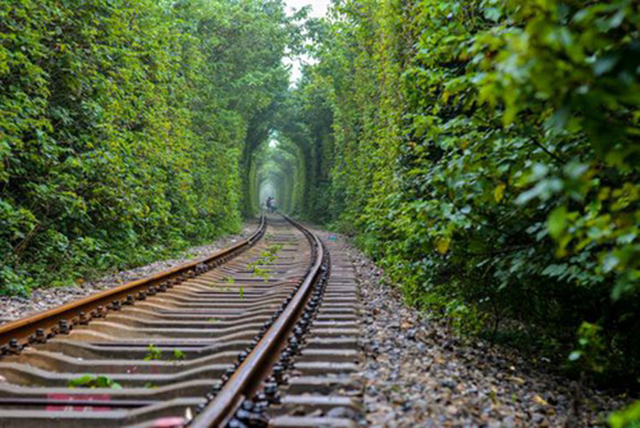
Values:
[(261, 334)]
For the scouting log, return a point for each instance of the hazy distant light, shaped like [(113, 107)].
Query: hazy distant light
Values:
[(319, 6), (274, 144)]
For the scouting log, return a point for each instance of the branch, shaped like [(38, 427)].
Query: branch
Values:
[(553, 155)]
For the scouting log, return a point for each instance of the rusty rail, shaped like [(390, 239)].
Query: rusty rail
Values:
[(256, 366), (15, 335)]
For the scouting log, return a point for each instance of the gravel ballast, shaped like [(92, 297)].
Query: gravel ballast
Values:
[(417, 373), (42, 299)]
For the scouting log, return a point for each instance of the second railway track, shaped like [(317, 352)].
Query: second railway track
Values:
[(257, 335)]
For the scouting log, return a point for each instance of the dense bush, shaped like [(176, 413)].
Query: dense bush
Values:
[(488, 154), (122, 124)]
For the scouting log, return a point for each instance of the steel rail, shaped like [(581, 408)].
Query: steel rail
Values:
[(256, 366), (17, 334)]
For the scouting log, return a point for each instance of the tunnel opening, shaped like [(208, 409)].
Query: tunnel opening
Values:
[(277, 171)]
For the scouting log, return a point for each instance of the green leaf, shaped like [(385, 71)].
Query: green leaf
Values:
[(557, 222), (628, 417), (575, 355), (80, 382), (498, 193)]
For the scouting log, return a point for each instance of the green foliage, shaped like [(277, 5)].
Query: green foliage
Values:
[(153, 353), (260, 266), (89, 381), (123, 126), (588, 353), (258, 272), (486, 153), (178, 355), (270, 255), (628, 417)]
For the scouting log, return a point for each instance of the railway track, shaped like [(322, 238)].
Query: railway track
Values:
[(261, 334)]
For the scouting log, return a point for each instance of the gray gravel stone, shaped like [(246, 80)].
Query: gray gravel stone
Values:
[(417, 373)]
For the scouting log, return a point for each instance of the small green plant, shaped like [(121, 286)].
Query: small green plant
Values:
[(213, 320), (267, 257), (178, 355), (262, 273), (154, 353), (465, 319), (89, 381), (230, 280), (241, 292), (149, 385), (587, 356)]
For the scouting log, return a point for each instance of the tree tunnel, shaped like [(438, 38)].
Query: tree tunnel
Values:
[(286, 156), (277, 169)]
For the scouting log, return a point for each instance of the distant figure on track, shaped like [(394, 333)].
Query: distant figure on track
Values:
[(271, 206)]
